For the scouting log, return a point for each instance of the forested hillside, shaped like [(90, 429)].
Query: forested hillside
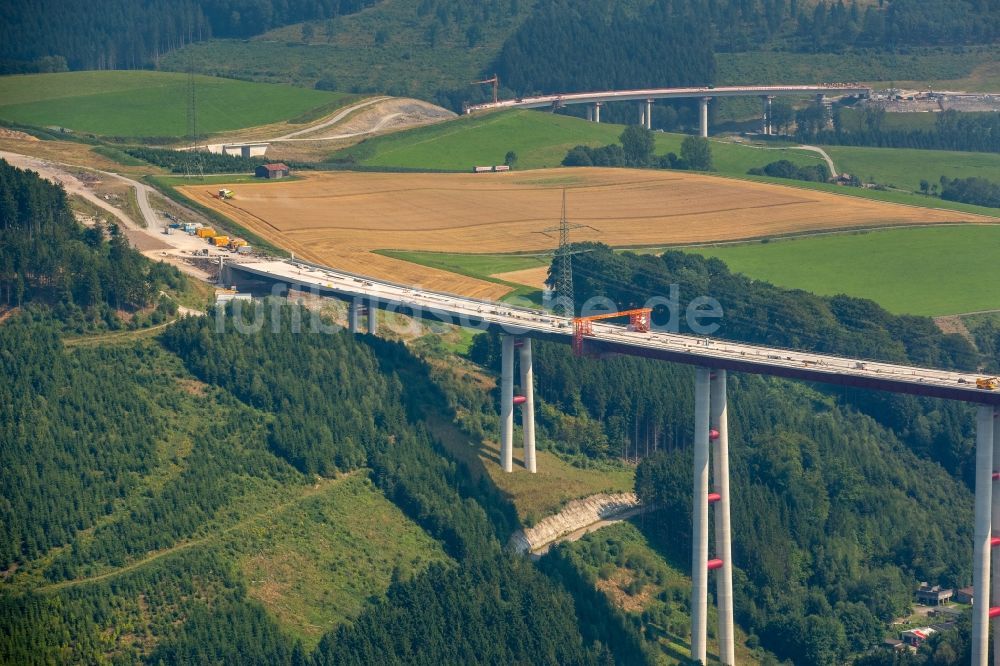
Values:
[(839, 513), (46, 256), (595, 45), (433, 49), (127, 574), (230, 493), (124, 34)]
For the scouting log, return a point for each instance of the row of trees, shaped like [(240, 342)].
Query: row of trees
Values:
[(636, 150), (193, 161), (974, 190), (818, 173)]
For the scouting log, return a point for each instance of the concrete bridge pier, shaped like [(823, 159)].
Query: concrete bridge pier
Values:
[(995, 529), (649, 114), (372, 317), (597, 112), (982, 547), (354, 315), (719, 433), (507, 403), (642, 115), (590, 112), (703, 115), (699, 533), (528, 406), (508, 344), (766, 100)]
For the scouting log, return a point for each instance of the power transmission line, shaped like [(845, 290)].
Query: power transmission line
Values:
[(564, 261), (192, 164)]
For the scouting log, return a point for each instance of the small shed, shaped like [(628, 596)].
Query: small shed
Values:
[(277, 170), (965, 595)]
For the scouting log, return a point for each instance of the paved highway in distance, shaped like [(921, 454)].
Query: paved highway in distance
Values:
[(613, 339)]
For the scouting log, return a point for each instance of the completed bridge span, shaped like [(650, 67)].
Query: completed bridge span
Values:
[(712, 359), (647, 95)]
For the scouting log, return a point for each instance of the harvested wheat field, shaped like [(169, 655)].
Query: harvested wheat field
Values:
[(338, 218)]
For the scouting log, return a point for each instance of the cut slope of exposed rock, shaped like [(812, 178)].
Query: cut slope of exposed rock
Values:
[(575, 517)]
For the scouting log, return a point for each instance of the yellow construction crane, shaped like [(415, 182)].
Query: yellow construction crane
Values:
[(495, 80)]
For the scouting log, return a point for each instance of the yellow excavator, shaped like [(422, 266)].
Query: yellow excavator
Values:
[(988, 383)]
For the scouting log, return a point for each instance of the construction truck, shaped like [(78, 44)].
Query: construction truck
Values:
[(225, 194), (988, 383)]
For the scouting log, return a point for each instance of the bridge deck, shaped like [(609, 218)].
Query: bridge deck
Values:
[(611, 339), (539, 101)]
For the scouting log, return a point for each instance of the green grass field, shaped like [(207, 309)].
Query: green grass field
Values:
[(481, 266), (902, 167), (922, 271), (473, 265), (150, 104), (541, 140)]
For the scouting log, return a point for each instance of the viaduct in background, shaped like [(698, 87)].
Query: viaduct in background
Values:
[(705, 94)]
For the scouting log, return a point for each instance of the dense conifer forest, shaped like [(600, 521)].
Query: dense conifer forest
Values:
[(46, 256), (125, 34)]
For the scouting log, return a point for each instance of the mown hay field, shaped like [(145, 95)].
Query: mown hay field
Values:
[(339, 218)]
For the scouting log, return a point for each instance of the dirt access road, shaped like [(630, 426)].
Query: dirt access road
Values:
[(151, 239)]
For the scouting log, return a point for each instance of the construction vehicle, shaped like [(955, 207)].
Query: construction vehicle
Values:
[(988, 383), (638, 321), (236, 243), (225, 194), (221, 241), (205, 232)]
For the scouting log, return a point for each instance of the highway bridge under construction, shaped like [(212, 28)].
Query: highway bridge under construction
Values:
[(712, 359)]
